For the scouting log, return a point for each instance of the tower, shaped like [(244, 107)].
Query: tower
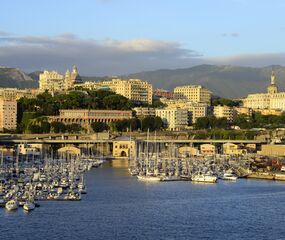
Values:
[(272, 88), (67, 80)]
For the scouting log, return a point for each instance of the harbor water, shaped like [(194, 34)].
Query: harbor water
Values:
[(118, 206)]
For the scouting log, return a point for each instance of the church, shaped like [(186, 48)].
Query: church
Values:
[(270, 100)]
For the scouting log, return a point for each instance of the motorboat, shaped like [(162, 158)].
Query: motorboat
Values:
[(11, 205), (146, 178), (229, 176), (29, 206), (206, 178)]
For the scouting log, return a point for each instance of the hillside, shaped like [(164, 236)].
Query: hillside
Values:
[(226, 81), (15, 78)]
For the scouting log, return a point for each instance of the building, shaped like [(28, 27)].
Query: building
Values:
[(225, 112), (173, 119), (208, 149), (144, 111), (124, 147), (85, 117), (243, 110), (270, 100), (272, 150), (193, 93), (19, 93), (233, 149), (51, 81), (190, 151), (72, 78), (161, 93), (196, 110), (134, 89), (8, 111)]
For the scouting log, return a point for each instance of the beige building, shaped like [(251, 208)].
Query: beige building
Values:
[(208, 149), (55, 82), (133, 89), (173, 119), (196, 110), (233, 149), (243, 110), (85, 117), (272, 150), (124, 147), (186, 150), (51, 81), (225, 112), (194, 93), (270, 100), (144, 111), (19, 93), (8, 111)]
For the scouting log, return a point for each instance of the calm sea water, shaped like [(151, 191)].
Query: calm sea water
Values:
[(117, 206)]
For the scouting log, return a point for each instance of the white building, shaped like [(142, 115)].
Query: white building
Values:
[(270, 100), (194, 93), (173, 119)]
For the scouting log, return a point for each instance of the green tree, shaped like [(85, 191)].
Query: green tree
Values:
[(58, 127), (99, 126)]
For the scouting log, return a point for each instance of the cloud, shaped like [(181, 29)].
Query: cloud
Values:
[(251, 59), (233, 34), (93, 56)]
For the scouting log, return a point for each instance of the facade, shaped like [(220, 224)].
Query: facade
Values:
[(270, 100), (194, 93), (272, 150), (224, 112), (124, 148), (134, 89), (243, 110), (19, 93), (196, 110), (86, 117), (51, 81), (144, 111), (208, 149), (55, 82), (233, 149), (173, 119), (8, 111), (186, 150)]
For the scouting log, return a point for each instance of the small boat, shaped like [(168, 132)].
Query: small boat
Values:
[(170, 178), (204, 178), (11, 205), (29, 206)]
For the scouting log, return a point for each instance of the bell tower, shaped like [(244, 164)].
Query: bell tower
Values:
[(272, 88)]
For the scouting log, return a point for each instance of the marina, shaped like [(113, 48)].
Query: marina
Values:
[(118, 206)]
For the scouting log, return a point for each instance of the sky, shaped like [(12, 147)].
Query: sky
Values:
[(114, 37)]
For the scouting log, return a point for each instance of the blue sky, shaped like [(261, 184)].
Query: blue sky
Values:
[(123, 36)]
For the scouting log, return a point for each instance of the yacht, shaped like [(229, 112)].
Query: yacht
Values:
[(229, 176), (206, 178), (148, 178), (11, 205), (170, 178)]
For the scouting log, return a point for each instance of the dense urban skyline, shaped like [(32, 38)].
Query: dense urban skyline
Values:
[(116, 37)]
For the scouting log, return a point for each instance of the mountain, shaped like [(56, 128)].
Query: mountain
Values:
[(225, 81), (16, 78)]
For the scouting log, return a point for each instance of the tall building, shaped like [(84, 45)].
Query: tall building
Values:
[(194, 93), (51, 81), (8, 111), (270, 100), (134, 89), (173, 119)]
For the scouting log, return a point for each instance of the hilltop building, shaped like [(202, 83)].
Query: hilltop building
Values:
[(225, 112), (56, 82), (270, 100)]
